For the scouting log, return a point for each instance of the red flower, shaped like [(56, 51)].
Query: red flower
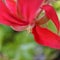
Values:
[(20, 14)]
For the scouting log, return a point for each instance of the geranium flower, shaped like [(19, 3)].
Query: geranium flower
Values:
[(22, 15)]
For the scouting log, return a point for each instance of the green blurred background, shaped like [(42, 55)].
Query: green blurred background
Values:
[(21, 45)]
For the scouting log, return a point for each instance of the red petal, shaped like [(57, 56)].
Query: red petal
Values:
[(18, 28), (28, 8), (11, 5), (51, 14), (45, 37), (6, 17)]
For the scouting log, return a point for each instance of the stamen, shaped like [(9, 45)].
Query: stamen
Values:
[(29, 29)]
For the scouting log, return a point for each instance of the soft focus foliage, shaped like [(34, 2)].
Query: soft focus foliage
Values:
[(21, 45)]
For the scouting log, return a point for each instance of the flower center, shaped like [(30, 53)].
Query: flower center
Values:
[(29, 28)]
